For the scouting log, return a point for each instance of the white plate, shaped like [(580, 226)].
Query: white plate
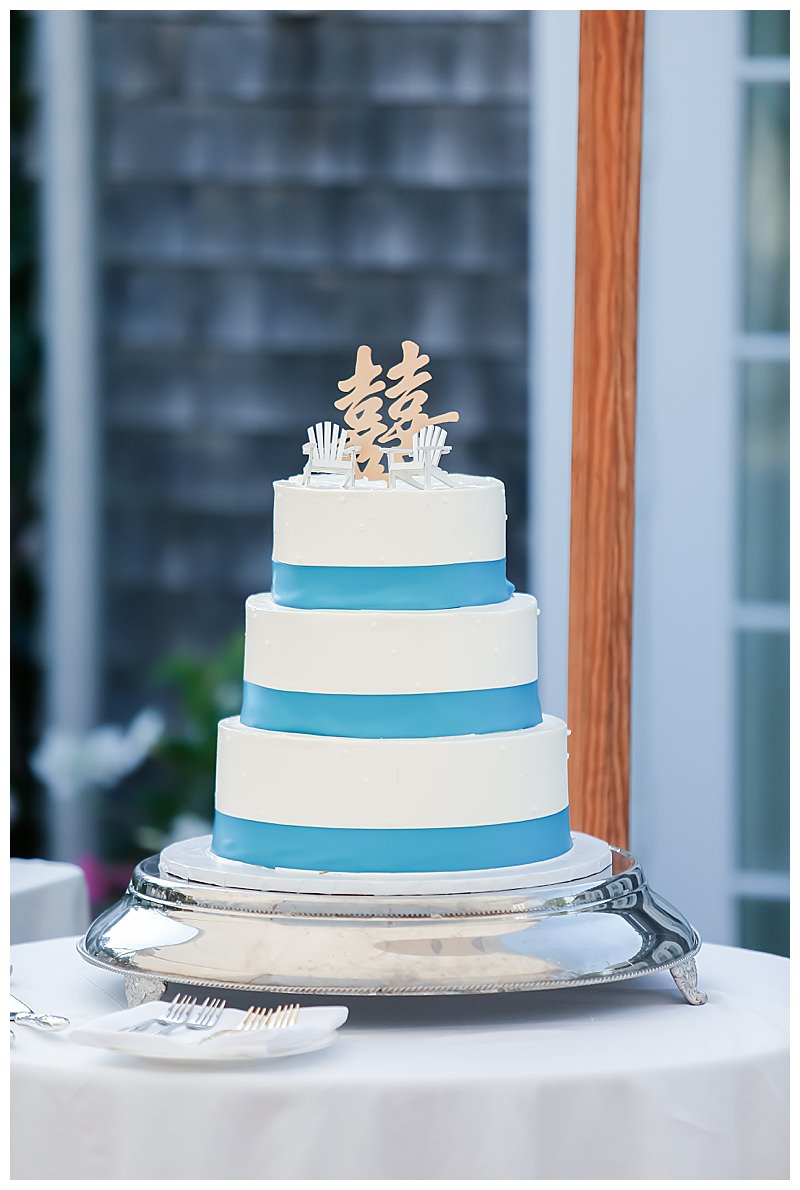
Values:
[(316, 1027)]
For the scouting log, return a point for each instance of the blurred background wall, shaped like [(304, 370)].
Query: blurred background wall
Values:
[(211, 211), (272, 190)]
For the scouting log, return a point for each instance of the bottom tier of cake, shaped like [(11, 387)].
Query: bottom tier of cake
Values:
[(454, 803)]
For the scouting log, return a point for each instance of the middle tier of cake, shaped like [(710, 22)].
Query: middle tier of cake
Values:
[(391, 675)]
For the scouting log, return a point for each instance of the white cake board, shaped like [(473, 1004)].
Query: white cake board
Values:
[(193, 859)]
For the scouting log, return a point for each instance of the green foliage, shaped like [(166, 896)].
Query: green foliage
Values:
[(206, 689)]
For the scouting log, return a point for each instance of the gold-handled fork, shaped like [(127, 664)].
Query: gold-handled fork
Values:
[(258, 1017), (282, 1017)]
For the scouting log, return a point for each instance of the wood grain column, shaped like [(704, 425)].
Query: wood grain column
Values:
[(604, 420)]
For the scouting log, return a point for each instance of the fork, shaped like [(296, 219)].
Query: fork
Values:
[(175, 1016), (207, 1015), (282, 1017), (256, 1018)]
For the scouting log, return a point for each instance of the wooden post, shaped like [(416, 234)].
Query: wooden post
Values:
[(604, 420)]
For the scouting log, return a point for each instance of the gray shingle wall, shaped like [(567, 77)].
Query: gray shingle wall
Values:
[(274, 189)]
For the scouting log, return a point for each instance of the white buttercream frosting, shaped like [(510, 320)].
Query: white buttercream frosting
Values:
[(349, 652), (324, 525), (304, 780)]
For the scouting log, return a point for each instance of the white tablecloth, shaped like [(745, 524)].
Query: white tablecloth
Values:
[(48, 900), (617, 1081)]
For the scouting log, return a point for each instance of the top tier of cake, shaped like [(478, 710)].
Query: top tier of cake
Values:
[(369, 548)]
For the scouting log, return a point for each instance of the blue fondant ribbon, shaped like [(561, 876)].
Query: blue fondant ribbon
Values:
[(424, 849), (391, 588), (392, 716)]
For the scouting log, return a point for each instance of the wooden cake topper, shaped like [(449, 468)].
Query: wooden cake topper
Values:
[(363, 413), (364, 409), (408, 397)]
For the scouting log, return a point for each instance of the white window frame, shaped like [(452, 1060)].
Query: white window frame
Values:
[(553, 160), (71, 492)]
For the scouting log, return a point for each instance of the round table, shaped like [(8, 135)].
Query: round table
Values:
[(615, 1081), (48, 900)]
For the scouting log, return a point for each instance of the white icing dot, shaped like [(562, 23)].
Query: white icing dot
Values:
[(362, 525), (569, 731), (373, 623)]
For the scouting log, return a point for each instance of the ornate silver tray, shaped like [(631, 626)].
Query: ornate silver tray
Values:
[(594, 930)]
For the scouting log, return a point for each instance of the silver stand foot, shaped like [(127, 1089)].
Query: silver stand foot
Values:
[(140, 989), (685, 976)]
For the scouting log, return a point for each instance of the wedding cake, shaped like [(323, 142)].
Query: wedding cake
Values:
[(391, 720)]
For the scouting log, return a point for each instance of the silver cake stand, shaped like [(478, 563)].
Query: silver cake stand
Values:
[(596, 929)]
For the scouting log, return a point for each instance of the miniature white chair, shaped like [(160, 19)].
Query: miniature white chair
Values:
[(428, 446), (326, 449)]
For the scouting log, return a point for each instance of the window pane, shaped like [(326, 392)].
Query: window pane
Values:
[(764, 482), (764, 750), (768, 33), (767, 211), (764, 925)]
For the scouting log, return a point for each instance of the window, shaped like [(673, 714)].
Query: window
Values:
[(762, 604)]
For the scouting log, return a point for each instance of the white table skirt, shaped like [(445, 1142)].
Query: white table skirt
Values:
[(616, 1081), (48, 900)]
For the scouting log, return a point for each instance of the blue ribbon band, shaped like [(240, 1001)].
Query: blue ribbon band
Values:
[(423, 849), (391, 588), (392, 716)]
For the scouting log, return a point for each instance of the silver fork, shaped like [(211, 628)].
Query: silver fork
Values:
[(173, 1018), (206, 1015)]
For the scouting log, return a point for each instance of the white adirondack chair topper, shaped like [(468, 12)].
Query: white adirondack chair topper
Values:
[(427, 448), (326, 449)]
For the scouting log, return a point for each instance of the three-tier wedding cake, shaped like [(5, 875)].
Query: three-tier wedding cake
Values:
[(391, 720), (391, 804)]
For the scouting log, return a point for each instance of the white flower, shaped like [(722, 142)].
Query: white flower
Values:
[(71, 763), (144, 732), (56, 762)]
